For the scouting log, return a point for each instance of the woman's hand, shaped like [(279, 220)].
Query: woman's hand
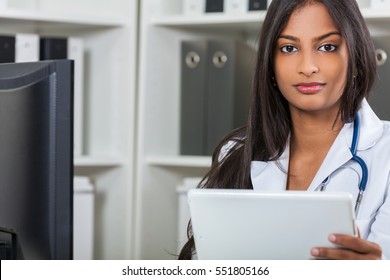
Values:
[(353, 248)]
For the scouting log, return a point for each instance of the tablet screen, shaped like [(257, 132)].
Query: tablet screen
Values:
[(248, 224)]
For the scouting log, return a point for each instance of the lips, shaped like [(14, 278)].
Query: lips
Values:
[(309, 88)]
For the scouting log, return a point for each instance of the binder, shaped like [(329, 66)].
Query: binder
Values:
[(21, 47), (69, 48), (214, 6), (83, 218), (236, 6), (257, 5), (7, 49), (380, 97), (214, 94), (230, 66), (193, 97), (27, 47), (194, 7), (53, 48)]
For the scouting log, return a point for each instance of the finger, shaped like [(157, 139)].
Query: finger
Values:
[(356, 244), (350, 248), (342, 254), (337, 254)]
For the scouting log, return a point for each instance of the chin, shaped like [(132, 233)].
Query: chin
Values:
[(318, 107)]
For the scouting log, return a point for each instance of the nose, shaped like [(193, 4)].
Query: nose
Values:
[(308, 64)]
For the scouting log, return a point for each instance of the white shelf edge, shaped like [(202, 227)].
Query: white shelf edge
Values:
[(208, 19), (31, 15), (91, 161), (179, 161), (249, 18)]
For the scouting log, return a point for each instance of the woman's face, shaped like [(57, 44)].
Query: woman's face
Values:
[(311, 60)]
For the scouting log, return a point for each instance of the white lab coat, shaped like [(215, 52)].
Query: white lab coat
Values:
[(373, 147)]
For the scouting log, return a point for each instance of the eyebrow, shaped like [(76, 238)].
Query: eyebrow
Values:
[(319, 38)]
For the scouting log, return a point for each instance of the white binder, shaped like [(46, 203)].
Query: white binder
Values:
[(236, 6), (26, 47), (194, 7)]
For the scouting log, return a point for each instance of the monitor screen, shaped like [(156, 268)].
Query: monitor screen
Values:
[(36, 160)]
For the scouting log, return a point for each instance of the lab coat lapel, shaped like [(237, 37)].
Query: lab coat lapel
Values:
[(338, 155), (371, 129), (271, 175)]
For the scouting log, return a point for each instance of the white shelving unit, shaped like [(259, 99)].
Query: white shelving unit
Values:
[(132, 108), (109, 33), (160, 168)]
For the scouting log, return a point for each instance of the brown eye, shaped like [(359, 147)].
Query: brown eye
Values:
[(328, 48), (288, 49)]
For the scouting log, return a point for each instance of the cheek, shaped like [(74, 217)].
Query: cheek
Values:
[(336, 63), (284, 70), (337, 70)]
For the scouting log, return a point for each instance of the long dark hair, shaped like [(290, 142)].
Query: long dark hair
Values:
[(269, 124)]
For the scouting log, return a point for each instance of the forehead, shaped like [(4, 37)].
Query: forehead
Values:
[(310, 20)]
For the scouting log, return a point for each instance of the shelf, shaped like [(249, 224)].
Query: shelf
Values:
[(250, 21), (23, 16), (180, 161), (246, 21), (87, 161)]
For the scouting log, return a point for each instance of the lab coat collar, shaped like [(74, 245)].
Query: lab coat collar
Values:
[(271, 175), (371, 128), (338, 154), (274, 173)]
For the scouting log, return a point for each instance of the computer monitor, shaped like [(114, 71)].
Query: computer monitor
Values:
[(36, 160)]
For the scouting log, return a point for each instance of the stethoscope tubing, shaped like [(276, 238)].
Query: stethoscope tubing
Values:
[(359, 161)]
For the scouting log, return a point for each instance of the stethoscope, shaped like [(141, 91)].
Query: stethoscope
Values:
[(358, 160)]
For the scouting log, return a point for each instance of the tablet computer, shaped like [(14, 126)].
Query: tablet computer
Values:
[(247, 224)]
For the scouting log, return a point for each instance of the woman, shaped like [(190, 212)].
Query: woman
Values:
[(315, 67)]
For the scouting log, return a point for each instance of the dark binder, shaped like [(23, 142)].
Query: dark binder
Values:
[(230, 67), (257, 5), (380, 97), (7, 49), (214, 94), (214, 6), (53, 48), (193, 97)]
